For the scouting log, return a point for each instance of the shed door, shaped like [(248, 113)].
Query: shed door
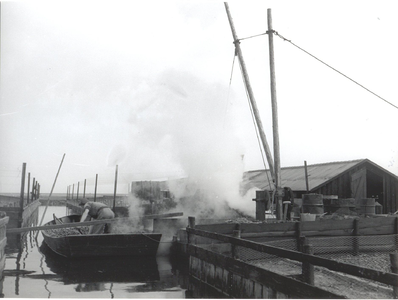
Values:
[(358, 185)]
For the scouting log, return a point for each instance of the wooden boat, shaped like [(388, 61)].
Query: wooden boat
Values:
[(74, 243), (100, 269)]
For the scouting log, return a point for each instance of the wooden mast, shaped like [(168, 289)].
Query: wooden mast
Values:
[(251, 96), (274, 117)]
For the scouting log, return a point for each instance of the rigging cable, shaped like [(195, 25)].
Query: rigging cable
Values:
[(249, 37), (232, 69), (256, 129), (283, 38), (229, 87)]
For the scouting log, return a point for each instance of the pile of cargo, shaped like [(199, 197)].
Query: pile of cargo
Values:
[(61, 232)]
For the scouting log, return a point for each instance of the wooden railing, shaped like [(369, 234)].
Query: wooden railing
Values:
[(346, 227), (366, 273)]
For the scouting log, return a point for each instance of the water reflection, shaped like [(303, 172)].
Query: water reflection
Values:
[(113, 269), (89, 287), (17, 242)]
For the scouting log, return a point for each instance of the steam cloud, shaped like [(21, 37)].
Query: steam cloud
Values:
[(179, 125)]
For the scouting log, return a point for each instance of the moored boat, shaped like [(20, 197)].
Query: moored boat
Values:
[(74, 242)]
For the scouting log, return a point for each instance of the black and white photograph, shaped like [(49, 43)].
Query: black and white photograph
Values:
[(198, 149)]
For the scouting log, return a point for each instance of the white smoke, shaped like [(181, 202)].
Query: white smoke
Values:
[(180, 123), (135, 222), (117, 155)]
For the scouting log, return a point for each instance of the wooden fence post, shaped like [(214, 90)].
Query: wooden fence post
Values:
[(302, 242), (235, 234), (356, 238), (191, 222), (394, 269), (308, 269), (298, 235)]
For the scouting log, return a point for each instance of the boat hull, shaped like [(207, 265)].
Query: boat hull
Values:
[(102, 245)]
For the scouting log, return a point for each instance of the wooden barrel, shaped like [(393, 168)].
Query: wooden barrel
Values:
[(329, 203), (313, 204), (367, 206)]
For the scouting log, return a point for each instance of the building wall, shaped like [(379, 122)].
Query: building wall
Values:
[(341, 186), (390, 185)]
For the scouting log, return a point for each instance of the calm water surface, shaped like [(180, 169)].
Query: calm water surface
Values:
[(32, 270)]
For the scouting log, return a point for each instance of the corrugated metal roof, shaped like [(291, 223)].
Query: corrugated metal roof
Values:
[(294, 177)]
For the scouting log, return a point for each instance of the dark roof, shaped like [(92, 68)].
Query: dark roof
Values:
[(294, 177)]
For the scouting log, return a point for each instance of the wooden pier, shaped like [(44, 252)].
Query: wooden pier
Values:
[(20, 217), (244, 260)]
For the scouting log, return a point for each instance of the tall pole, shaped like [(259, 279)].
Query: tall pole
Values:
[(77, 194), (33, 188), (28, 190), (21, 200), (114, 193), (95, 187), (275, 128), (84, 189), (36, 187), (306, 177), (251, 96)]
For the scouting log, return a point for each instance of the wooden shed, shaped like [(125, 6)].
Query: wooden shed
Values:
[(347, 179)]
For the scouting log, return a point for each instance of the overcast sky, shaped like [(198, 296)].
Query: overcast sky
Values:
[(145, 85)]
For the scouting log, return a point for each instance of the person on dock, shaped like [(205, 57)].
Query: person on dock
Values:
[(97, 211)]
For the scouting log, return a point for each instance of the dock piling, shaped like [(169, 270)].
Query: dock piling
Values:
[(308, 269)]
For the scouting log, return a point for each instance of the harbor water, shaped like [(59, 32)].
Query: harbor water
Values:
[(32, 270)]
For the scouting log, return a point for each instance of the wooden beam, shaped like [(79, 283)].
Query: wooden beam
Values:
[(275, 126), (251, 95)]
